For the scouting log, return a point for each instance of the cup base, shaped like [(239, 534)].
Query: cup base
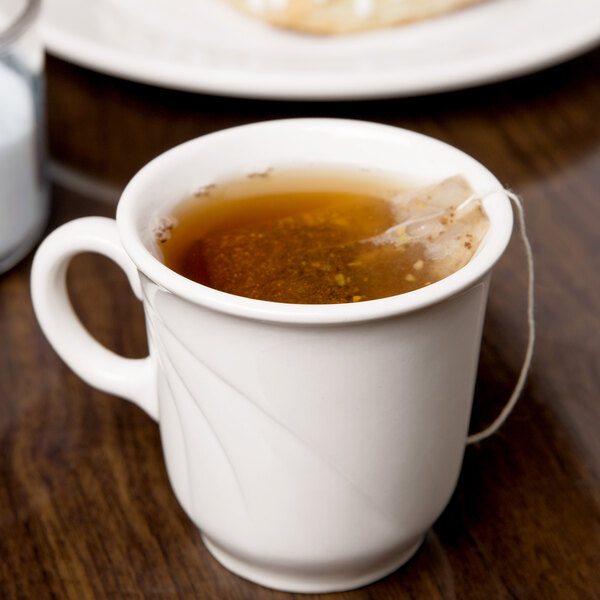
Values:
[(305, 582)]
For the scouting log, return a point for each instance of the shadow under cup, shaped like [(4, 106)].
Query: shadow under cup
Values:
[(313, 445)]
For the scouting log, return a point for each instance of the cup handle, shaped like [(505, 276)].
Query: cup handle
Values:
[(133, 379)]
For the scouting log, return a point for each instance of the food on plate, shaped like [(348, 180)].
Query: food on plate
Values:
[(345, 16)]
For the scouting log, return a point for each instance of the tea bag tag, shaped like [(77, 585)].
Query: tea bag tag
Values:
[(501, 418)]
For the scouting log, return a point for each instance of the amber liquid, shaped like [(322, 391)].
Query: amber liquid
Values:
[(295, 238)]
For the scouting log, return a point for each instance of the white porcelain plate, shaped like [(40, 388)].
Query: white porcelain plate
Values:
[(206, 46)]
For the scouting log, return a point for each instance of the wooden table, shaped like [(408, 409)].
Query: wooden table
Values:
[(86, 510)]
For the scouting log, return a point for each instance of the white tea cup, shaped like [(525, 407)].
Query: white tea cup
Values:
[(313, 445)]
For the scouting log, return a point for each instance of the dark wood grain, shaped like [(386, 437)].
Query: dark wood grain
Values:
[(86, 510)]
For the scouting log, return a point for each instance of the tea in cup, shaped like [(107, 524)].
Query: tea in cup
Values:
[(311, 237)]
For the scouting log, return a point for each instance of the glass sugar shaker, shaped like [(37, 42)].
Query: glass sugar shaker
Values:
[(23, 182)]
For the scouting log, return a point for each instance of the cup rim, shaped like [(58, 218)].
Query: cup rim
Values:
[(496, 205)]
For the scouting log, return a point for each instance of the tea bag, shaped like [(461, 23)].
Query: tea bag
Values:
[(325, 256), (444, 222)]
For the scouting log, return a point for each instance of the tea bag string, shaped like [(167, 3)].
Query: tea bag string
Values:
[(501, 418)]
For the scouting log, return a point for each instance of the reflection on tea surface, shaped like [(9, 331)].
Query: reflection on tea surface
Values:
[(324, 238)]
